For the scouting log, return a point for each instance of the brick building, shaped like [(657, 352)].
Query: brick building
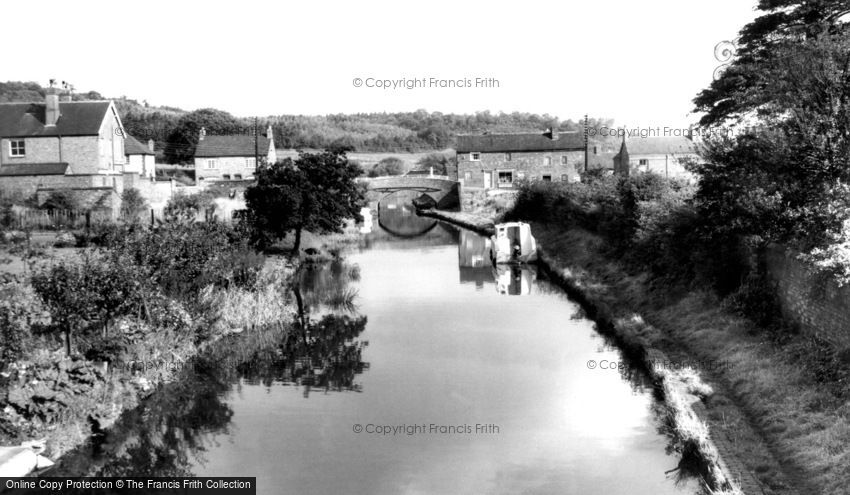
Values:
[(62, 144), (665, 156), (498, 160), (231, 157)]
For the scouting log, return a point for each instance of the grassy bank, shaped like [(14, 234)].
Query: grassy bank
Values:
[(777, 422), (790, 429), (65, 399)]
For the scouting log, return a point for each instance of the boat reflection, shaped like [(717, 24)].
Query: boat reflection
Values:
[(514, 280), (475, 266)]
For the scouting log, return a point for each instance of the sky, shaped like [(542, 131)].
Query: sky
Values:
[(638, 62)]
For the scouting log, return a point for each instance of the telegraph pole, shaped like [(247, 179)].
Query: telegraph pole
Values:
[(256, 144), (585, 142)]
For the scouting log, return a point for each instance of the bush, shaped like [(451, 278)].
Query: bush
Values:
[(88, 295), (19, 311), (133, 204), (438, 162), (7, 214), (182, 259), (387, 166), (60, 200), (186, 208)]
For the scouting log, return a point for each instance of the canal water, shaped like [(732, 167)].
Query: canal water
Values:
[(421, 369)]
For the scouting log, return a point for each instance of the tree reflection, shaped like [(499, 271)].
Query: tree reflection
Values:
[(170, 430)]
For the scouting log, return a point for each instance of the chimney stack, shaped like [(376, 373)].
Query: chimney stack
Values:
[(150, 145), (551, 133), (202, 134), (51, 107)]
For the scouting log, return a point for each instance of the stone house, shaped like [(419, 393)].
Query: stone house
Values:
[(665, 156), (62, 144), (141, 158), (496, 161), (232, 157)]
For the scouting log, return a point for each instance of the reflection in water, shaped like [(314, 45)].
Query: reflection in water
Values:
[(366, 213), (170, 431), (475, 266), (397, 216), (514, 280), (443, 354)]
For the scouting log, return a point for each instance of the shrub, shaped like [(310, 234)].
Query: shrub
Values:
[(19, 311), (388, 166), (88, 295), (182, 259), (60, 200), (133, 204), (185, 208), (7, 214)]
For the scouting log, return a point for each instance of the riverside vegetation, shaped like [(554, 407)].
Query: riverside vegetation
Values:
[(642, 246), (87, 336)]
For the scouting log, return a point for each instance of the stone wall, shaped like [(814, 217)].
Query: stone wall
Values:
[(818, 305), (25, 186), (534, 165)]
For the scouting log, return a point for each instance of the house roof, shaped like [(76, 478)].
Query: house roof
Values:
[(231, 145), (132, 146), (77, 118), (33, 169), (660, 146), (526, 141)]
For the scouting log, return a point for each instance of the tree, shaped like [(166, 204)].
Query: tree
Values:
[(744, 86), (438, 162), (388, 166), (316, 192), (184, 138)]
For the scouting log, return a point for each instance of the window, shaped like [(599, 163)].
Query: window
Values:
[(250, 163), (563, 160), (643, 162), (475, 156), (237, 176), (507, 157), (565, 178), (226, 176), (467, 175), (212, 164), (506, 178), (547, 178), (547, 161), (17, 147)]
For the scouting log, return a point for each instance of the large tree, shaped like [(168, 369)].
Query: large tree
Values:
[(315, 192), (744, 86), (184, 138)]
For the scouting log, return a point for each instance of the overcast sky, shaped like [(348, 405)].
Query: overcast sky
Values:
[(640, 62)]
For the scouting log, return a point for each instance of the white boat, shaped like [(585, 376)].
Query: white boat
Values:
[(513, 243)]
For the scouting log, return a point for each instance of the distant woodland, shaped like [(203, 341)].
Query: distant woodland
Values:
[(175, 130)]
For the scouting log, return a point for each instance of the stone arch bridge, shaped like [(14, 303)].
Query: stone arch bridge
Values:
[(444, 191)]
